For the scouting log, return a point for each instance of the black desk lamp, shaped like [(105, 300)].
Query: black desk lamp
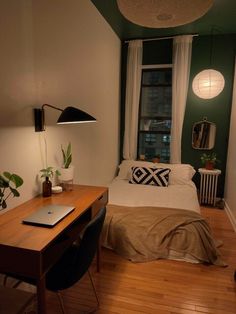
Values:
[(68, 116)]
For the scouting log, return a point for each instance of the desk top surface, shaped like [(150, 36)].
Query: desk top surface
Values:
[(14, 233)]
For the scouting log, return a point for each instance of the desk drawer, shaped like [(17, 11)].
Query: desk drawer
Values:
[(99, 203)]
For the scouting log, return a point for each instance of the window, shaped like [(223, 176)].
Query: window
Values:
[(155, 114)]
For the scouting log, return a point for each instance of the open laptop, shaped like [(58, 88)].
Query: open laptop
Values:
[(48, 216)]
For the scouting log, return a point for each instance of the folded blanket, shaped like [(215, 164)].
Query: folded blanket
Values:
[(148, 233)]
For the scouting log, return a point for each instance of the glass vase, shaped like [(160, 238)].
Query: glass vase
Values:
[(47, 187)]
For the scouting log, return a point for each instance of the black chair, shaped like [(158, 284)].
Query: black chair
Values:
[(76, 261)]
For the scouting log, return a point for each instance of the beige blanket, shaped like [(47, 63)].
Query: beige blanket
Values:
[(148, 233)]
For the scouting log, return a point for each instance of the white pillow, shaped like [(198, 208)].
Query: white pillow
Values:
[(180, 173)]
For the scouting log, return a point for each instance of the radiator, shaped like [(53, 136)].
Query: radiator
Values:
[(208, 185)]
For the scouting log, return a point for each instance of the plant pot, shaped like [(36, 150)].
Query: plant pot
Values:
[(209, 165), (67, 174), (156, 159)]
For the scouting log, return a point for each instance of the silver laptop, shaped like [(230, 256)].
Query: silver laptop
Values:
[(48, 216)]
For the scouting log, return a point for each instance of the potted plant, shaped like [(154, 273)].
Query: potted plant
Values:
[(156, 159), (9, 183), (209, 160), (67, 170), (48, 173)]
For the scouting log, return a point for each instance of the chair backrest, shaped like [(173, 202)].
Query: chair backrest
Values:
[(76, 260)]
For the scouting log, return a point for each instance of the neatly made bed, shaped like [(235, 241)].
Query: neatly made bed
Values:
[(153, 212), (184, 196)]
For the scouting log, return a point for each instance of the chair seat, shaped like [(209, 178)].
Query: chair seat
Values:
[(14, 301)]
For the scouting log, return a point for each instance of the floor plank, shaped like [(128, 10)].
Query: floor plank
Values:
[(160, 287)]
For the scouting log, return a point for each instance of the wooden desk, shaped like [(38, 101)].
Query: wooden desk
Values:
[(31, 250)]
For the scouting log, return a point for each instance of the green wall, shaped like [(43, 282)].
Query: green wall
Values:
[(216, 110)]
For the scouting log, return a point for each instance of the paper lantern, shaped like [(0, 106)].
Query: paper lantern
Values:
[(208, 84)]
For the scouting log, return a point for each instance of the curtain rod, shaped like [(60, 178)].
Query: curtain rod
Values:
[(157, 38)]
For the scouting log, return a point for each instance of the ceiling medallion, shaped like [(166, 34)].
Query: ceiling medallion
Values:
[(163, 13)]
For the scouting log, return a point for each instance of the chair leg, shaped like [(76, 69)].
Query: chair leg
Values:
[(94, 289), (61, 302), (5, 280)]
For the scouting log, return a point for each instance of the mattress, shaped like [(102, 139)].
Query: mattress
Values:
[(182, 196)]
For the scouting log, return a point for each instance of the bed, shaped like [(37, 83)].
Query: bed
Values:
[(153, 212)]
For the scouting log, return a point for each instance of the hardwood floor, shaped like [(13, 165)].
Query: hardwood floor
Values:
[(161, 286)]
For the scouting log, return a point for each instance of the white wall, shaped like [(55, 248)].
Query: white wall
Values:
[(230, 181), (62, 53)]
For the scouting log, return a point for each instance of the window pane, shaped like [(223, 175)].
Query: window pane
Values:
[(155, 77), (155, 125), (152, 145), (155, 114), (156, 101)]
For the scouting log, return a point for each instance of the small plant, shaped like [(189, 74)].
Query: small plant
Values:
[(9, 183), (67, 156), (209, 157), (157, 158), (209, 160), (49, 172)]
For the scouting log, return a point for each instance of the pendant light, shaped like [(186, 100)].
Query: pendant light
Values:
[(208, 83)]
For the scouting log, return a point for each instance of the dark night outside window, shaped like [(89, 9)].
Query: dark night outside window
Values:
[(155, 114)]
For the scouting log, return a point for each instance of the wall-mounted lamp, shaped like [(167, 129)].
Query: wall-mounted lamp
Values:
[(68, 116)]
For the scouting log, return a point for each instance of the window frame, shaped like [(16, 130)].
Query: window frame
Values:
[(150, 67)]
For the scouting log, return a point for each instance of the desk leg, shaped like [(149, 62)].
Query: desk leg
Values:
[(41, 296)]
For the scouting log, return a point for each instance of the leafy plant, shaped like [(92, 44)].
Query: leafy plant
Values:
[(67, 156), (211, 157), (9, 183), (49, 172)]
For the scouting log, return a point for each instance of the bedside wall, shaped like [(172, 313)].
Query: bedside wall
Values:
[(230, 180), (63, 54)]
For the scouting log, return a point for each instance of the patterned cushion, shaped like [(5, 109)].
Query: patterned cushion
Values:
[(150, 176)]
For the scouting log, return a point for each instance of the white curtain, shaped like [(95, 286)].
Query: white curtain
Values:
[(182, 50), (133, 83)]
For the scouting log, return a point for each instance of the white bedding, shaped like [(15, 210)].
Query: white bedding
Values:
[(181, 193), (183, 196)]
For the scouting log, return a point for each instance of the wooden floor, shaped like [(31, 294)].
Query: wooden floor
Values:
[(162, 286)]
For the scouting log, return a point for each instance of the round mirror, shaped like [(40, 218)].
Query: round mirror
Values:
[(203, 135)]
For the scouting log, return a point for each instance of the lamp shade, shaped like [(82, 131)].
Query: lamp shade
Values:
[(68, 115), (74, 115), (208, 84)]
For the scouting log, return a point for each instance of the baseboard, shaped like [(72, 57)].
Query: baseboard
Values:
[(230, 215)]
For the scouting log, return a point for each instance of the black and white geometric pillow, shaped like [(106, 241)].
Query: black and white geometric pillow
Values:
[(150, 176)]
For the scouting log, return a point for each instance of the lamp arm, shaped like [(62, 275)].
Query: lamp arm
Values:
[(43, 114), (44, 105)]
